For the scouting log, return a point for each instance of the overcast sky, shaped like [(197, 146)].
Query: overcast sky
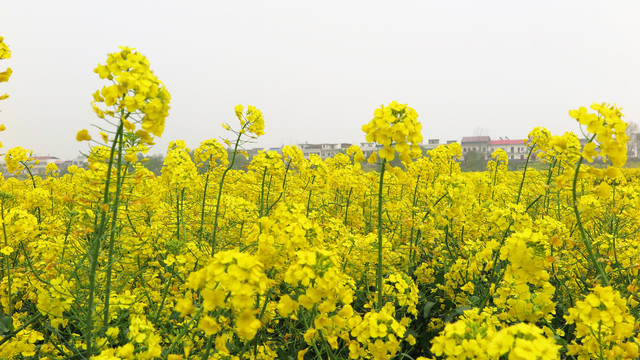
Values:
[(318, 69)]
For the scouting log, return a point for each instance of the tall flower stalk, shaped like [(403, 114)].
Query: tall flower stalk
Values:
[(137, 103), (208, 154), (396, 128), (607, 138), (251, 125)]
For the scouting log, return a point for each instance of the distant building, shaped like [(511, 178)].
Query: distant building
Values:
[(42, 162), (39, 164), (330, 150), (633, 146), (80, 161), (515, 149), (431, 144), (478, 144), (368, 148), (434, 143), (311, 149), (325, 150)]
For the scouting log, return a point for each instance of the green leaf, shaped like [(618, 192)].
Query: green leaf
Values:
[(6, 324), (427, 309)]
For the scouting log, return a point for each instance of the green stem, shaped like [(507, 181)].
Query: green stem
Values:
[(118, 141), (524, 173), (165, 291), (583, 233), (495, 179), (284, 184), (208, 347), (313, 178), (94, 250), (66, 238), (33, 182), (614, 228), (414, 203), (264, 175), (547, 197), (179, 207), (204, 201), (6, 258), (379, 267), (224, 175), (182, 333), (94, 245), (346, 210)]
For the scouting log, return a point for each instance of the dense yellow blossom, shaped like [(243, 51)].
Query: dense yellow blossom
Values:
[(5, 53), (111, 261), (396, 128), (252, 120), (17, 159), (603, 326), (83, 135), (135, 90), (607, 129)]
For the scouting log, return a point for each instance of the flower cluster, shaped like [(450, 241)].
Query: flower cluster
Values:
[(17, 158), (178, 169), (251, 121), (608, 131), (466, 338), (525, 292), (522, 341), (136, 95), (227, 287), (378, 335), (396, 128), (5, 53), (480, 336), (403, 291), (604, 326), (321, 294), (211, 153), (357, 154), (564, 148), (55, 299)]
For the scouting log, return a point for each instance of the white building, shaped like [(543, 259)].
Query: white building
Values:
[(515, 149), (325, 150)]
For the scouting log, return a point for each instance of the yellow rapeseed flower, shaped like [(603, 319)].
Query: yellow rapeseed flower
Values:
[(607, 129), (397, 129), (135, 89), (5, 75), (5, 53), (83, 135)]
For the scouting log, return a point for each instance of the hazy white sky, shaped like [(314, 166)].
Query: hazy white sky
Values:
[(318, 69)]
